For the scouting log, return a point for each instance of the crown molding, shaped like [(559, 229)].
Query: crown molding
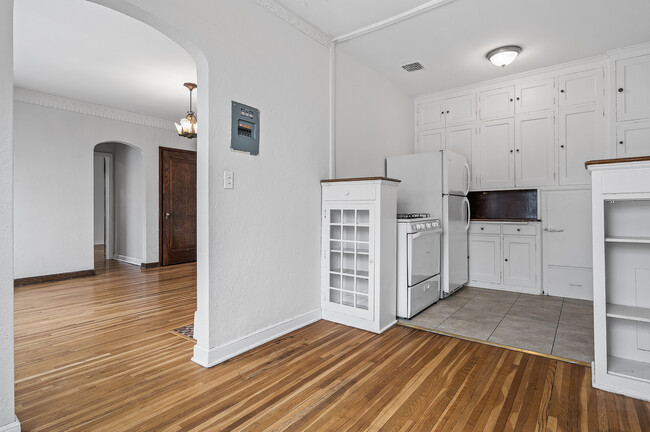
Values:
[(294, 20), (87, 108)]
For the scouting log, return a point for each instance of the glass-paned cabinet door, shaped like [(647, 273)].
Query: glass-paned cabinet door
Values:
[(349, 244)]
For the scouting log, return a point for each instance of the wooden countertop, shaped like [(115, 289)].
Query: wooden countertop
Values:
[(618, 160), (360, 179)]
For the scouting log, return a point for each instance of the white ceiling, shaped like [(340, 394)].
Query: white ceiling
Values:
[(85, 51), (452, 40)]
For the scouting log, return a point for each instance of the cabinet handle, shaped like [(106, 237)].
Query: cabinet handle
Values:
[(620, 142), (620, 90), (562, 91)]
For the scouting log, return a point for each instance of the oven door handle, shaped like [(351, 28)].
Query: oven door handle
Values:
[(466, 201)]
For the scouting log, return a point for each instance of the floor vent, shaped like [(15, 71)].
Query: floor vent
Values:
[(412, 67)]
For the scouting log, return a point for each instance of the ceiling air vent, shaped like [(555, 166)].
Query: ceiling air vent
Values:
[(412, 67)]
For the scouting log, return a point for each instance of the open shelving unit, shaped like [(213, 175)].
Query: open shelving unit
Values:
[(621, 248)]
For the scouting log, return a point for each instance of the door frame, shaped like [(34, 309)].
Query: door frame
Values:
[(109, 205), (160, 196)]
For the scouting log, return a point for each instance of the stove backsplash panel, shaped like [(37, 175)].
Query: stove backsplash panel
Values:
[(521, 204)]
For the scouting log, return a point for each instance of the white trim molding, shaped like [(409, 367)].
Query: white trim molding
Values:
[(128, 260), (87, 108), (11, 427), (214, 356), (294, 20)]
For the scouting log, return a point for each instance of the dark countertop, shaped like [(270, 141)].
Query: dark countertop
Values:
[(505, 220)]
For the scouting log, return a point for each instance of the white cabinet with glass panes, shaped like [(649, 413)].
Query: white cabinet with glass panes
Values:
[(359, 229), (621, 273)]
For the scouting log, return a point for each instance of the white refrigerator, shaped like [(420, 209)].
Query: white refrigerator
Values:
[(437, 183)]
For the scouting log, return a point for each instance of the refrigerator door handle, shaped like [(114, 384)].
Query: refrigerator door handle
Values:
[(466, 201), (469, 180)]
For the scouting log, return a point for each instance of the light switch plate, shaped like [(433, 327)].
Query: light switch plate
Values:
[(228, 179)]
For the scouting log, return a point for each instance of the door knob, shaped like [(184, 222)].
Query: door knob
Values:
[(167, 215)]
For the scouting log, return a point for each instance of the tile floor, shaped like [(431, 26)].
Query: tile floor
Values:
[(549, 325)]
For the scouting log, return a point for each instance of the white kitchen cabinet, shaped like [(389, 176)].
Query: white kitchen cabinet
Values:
[(534, 150), (633, 139), (581, 137), (436, 113), (429, 140), (567, 243), (461, 140), (494, 162), (633, 88), (534, 96), (485, 259), (581, 87), (358, 273), (519, 267), (621, 274), (505, 256), (461, 109), (497, 103)]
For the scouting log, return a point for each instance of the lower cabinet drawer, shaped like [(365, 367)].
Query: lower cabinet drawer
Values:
[(519, 229), (572, 282), (484, 228), (345, 193), (422, 295)]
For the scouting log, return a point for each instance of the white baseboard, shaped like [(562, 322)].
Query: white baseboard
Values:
[(11, 427), (128, 260), (214, 356)]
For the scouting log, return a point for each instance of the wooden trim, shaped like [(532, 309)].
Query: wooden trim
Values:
[(53, 277), (360, 179), (175, 150), (495, 344), (149, 265), (504, 220), (618, 160)]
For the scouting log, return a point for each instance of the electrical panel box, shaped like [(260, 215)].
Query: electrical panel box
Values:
[(245, 135)]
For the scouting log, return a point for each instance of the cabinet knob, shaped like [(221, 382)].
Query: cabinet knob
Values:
[(442, 112), (482, 228), (511, 99), (562, 91), (447, 112), (511, 151), (620, 142), (517, 150), (506, 259), (517, 97), (518, 229), (620, 90), (562, 146)]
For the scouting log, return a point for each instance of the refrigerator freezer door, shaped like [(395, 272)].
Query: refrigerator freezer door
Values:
[(420, 189), (455, 269), (456, 177)]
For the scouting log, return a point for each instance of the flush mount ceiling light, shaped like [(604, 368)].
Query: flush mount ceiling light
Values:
[(187, 128), (503, 56)]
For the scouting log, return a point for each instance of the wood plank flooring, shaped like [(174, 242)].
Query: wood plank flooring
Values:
[(97, 354)]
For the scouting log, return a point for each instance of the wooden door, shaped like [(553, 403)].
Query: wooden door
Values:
[(177, 206)]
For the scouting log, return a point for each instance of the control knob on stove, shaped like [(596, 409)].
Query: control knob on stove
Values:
[(418, 226), (428, 225)]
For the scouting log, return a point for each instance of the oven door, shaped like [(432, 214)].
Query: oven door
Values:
[(423, 252)]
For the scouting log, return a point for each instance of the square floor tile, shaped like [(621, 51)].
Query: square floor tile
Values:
[(491, 319), (470, 329), (582, 351), (540, 301), (427, 320), (467, 292), (574, 333), (482, 304), (497, 295), (535, 312), (528, 339), (454, 301), (523, 323), (578, 306), (579, 319)]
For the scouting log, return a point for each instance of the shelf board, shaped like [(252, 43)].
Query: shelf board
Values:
[(628, 368), (631, 313), (642, 240)]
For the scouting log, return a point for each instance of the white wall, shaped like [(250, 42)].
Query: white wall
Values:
[(374, 119), (53, 205), (98, 199), (129, 203), (6, 222)]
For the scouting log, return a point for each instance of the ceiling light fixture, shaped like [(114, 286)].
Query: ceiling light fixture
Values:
[(187, 128), (504, 55)]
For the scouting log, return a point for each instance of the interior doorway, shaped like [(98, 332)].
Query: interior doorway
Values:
[(103, 205), (177, 206)]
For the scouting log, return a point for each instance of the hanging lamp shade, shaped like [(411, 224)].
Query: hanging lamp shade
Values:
[(188, 126)]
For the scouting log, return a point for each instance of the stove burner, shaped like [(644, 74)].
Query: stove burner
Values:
[(413, 215)]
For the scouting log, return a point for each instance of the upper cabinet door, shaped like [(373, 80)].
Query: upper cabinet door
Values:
[(633, 139), (633, 88), (496, 103), (495, 161), (461, 139), (431, 114), (430, 140), (460, 109), (581, 87), (534, 150), (581, 138), (534, 96)]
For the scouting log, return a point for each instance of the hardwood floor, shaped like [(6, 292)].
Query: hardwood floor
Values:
[(98, 354)]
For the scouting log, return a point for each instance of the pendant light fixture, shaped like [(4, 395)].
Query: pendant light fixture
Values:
[(187, 128), (504, 55)]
